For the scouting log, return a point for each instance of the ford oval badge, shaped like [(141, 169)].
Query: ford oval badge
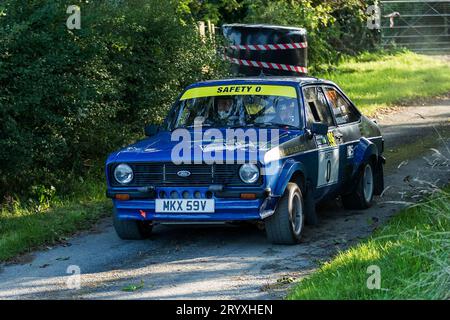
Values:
[(183, 173)]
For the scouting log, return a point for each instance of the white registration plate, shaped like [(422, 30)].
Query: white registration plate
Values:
[(184, 205)]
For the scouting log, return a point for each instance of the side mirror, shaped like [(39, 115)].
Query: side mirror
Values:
[(319, 128), (151, 130)]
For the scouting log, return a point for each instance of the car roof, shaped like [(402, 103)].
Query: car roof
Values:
[(261, 80)]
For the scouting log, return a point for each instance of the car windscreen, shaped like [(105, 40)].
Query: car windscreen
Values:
[(237, 106)]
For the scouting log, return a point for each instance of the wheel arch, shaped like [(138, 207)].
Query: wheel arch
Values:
[(292, 171), (298, 177), (365, 152)]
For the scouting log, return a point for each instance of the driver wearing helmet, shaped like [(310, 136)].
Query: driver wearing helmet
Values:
[(225, 110)]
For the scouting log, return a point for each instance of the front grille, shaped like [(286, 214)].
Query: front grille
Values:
[(165, 174)]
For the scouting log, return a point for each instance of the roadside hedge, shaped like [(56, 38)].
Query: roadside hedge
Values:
[(68, 97)]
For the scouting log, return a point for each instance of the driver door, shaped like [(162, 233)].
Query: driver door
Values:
[(327, 159)]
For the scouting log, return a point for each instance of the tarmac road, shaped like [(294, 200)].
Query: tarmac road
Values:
[(228, 262)]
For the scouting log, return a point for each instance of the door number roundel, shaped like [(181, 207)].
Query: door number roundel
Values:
[(328, 167)]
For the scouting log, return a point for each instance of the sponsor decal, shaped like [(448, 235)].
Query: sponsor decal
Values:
[(350, 152), (321, 141), (331, 139), (292, 148)]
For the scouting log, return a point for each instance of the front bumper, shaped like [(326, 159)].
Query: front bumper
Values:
[(225, 210), (228, 206)]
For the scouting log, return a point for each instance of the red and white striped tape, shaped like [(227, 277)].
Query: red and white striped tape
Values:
[(265, 47), (266, 65)]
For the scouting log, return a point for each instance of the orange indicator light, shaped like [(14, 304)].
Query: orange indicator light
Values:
[(122, 197), (248, 196)]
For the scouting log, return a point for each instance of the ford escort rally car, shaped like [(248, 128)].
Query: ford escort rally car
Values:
[(261, 149)]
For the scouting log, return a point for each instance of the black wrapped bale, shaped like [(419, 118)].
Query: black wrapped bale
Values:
[(272, 50)]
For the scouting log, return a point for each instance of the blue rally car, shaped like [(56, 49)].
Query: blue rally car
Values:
[(263, 149)]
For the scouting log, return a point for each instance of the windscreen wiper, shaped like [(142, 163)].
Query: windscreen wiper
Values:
[(274, 124), (191, 126)]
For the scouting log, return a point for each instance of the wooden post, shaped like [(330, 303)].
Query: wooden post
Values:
[(213, 33), (209, 28), (213, 30), (201, 29)]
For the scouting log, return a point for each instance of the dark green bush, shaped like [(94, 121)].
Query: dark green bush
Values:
[(68, 97)]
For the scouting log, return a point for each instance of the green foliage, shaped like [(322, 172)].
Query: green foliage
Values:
[(45, 196), (335, 28), (217, 11), (67, 97), (134, 287)]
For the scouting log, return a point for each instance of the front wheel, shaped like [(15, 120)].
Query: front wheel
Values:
[(362, 195), (285, 226), (131, 229)]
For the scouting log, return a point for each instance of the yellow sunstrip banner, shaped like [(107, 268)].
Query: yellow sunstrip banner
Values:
[(240, 89)]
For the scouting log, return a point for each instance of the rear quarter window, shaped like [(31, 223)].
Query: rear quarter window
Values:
[(343, 111)]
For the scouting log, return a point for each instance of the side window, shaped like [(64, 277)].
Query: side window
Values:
[(316, 106), (343, 111)]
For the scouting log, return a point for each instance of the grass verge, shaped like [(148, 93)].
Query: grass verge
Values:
[(411, 251), (49, 221), (380, 81)]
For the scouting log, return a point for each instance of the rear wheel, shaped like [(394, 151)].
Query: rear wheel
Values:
[(131, 229), (285, 226), (362, 196)]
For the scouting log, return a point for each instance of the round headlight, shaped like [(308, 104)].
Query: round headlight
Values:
[(249, 173), (123, 173)]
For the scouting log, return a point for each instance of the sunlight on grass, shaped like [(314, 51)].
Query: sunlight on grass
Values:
[(411, 251), (391, 79)]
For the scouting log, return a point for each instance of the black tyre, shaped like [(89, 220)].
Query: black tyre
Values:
[(362, 195), (378, 179), (285, 226), (131, 229), (311, 217)]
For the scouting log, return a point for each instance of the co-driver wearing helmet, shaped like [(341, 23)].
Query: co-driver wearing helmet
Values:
[(286, 112)]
